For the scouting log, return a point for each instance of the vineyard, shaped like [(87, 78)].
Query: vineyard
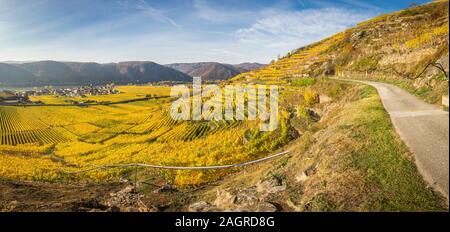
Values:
[(16, 127), (41, 143)]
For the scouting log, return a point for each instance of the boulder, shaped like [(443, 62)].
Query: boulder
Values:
[(165, 188), (310, 171), (355, 37), (266, 207), (304, 175), (324, 98), (270, 186), (301, 177), (200, 206), (224, 199)]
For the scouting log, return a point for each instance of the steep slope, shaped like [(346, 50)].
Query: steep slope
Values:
[(350, 160), (52, 72), (398, 48), (78, 73), (95, 73), (10, 74), (142, 72)]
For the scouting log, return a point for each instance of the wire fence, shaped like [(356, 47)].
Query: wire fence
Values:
[(174, 168), (180, 167)]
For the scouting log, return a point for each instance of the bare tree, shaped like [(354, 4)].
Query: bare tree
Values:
[(404, 75), (436, 65)]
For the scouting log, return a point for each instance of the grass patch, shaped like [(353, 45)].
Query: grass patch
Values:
[(366, 64), (387, 163), (428, 94), (306, 81)]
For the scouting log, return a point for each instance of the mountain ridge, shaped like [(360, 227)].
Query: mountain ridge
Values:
[(214, 71), (50, 72)]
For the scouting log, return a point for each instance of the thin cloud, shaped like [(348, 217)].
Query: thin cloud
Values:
[(286, 30), (361, 4), (328, 4), (302, 3), (207, 12), (196, 30), (158, 15), (204, 11)]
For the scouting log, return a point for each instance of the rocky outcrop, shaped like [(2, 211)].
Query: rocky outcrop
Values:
[(305, 175), (125, 200), (256, 198)]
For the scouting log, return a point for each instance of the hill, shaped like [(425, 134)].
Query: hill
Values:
[(400, 48), (77, 73), (149, 72), (10, 75), (213, 71)]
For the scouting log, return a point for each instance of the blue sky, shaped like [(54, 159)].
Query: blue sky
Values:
[(231, 31)]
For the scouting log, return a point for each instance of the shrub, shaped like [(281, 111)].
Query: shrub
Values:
[(311, 97), (302, 112), (308, 81), (425, 38), (419, 41), (366, 64), (335, 90)]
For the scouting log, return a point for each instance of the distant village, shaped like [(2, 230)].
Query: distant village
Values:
[(8, 97)]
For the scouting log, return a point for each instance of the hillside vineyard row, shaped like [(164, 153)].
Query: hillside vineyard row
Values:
[(45, 142)]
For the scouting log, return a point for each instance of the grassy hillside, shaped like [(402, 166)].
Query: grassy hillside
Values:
[(394, 48), (350, 160)]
